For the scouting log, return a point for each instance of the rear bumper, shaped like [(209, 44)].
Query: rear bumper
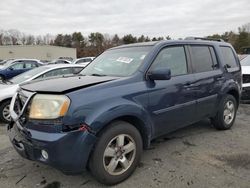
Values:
[(69, 152)]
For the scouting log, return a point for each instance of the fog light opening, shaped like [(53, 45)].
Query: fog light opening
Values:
[(45, 154)]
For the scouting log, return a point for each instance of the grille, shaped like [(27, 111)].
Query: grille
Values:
[(246, 78)]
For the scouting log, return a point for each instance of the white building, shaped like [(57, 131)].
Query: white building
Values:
[(41, 52)]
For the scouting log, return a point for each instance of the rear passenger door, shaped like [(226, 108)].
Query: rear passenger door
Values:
[(172, 102), (208, 78)]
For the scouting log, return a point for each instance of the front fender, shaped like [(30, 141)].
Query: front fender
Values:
[(99, 115)]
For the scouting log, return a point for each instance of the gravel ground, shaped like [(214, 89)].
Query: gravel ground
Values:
[(196, 156)]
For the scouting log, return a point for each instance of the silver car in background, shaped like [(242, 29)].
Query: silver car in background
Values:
[(245, 65), (9, 87), (84, 61)]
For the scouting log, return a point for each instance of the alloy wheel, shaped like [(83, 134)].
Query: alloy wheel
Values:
[(119, 154), (229, 112)]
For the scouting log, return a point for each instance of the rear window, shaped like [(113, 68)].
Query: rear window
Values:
[(202, 59), (228, 56)]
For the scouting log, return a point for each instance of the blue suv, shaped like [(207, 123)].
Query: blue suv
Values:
[(129, 95)]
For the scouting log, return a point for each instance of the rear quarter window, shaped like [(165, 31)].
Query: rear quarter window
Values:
[(228, 57)]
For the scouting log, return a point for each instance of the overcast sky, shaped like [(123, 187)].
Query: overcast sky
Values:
[(176, 18)]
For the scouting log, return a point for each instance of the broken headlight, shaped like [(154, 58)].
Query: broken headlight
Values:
[(48, 106)]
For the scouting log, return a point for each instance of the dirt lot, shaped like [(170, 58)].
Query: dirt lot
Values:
[(197, 156)]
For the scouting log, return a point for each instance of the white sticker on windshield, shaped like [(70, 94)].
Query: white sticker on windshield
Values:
[(125, 59)]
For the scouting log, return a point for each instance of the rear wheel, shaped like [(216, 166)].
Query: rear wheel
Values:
[(5, 112), (226, 114), (117, 153)]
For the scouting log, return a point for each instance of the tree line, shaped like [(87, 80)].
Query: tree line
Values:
[(238, 40), (96, 42)]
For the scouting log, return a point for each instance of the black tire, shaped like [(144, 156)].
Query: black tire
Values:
[(97, 160), (2, 107), (220, 121)]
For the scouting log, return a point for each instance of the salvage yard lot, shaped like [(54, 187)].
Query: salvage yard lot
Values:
[(196, 156)]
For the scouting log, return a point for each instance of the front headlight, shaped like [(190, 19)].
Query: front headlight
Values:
[(48, 106)]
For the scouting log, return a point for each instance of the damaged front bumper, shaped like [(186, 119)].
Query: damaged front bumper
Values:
[(66, 151)]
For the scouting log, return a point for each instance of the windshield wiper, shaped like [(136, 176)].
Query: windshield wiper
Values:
[(95, 74)]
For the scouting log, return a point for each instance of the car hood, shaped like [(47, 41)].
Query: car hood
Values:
[(65, 84), (245, 69), (1, 67)]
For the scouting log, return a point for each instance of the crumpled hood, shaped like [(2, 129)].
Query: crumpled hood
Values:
[(65, 84)]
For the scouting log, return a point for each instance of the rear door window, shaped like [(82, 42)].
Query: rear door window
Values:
[(202, 59), (30, 64)]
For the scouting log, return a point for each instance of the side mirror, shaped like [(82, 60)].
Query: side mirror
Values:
[(10, 68), (160, 74)]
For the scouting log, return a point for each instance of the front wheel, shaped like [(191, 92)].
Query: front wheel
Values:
[(5, 112), (116, 154), (226, 114)]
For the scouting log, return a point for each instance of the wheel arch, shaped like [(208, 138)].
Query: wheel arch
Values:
[(142, 126), (235, 94), (139, 125), (4, 100)]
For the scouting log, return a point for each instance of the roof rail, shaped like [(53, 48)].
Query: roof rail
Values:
[(200, 38)]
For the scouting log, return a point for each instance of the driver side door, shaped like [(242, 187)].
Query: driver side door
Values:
[(172, 102)]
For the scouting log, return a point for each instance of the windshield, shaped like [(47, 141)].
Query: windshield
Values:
[(246, 61), (3, 62), (7, 63), (27, 75), (117, 62)]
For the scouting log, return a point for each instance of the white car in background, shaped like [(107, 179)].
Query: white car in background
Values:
[(84, 61), (59, 61), (9, 87), (245, 65)]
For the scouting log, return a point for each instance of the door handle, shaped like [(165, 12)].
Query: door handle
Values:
[(219, 78), (188, 85)]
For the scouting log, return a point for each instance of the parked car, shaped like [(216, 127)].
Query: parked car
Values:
[(84, 61), (245, 63), (17, 66), (8, 88), (5, 61), (60, 61), (125, 98)]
